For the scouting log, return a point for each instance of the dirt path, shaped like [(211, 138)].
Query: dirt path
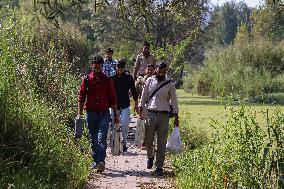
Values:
[(128, 171)]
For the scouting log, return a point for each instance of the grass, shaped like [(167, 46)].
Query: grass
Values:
[(229, 144), (200, 110)]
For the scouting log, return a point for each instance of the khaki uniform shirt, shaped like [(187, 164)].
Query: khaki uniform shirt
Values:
[(139, 84), (142, 62), (160, 101)]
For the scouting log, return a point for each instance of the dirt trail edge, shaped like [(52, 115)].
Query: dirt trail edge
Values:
[(128, 171)]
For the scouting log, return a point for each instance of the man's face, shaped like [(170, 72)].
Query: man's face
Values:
[(146, 49), (119, 71), (149, 71), (161, 71), (109, 55), (96, 67)]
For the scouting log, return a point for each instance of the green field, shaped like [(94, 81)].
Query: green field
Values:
[(199, 111), (227, 144)]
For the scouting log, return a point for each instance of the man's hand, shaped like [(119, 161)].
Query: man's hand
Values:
[(80, 109), (176, 121)]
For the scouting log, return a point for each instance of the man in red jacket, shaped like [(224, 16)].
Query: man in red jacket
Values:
[(97, 92)]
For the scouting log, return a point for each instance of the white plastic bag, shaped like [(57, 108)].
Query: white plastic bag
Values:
[(139, 133), (174, 144)]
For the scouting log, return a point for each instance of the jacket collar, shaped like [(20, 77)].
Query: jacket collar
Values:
[(100, 75)]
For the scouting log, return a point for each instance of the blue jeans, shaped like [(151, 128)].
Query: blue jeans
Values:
[(125, 121), (98, 127)]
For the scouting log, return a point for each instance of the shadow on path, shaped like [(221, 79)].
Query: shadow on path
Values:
[(117, 173)]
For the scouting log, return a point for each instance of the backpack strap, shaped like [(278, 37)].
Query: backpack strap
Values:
[(86, 82), (151, 96)]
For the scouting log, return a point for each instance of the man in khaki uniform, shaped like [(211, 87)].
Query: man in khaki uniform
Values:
[(139, 84), (143, 60), (158, 109)]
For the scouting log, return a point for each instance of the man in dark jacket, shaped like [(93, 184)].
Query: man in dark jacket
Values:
[(97, 92), (124, 83)]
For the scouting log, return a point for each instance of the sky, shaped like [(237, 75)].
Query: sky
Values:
[(250, 3)]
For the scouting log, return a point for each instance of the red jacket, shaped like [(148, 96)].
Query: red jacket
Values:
[(101, 93)]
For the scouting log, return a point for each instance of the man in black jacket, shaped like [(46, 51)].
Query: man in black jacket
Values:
[(124, 83)]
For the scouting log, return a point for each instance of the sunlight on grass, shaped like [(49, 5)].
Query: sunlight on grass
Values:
[(198, 111)]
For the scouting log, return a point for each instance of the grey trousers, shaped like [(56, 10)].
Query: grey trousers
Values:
[(157, 123)]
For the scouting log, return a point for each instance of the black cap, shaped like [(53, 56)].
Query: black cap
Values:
[(121, 63), (161, 65), (96, 59), (109, 50)]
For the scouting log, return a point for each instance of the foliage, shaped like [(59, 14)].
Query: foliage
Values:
[(36, 87), (193, 136), (52, 9), (243, 36), (34, 142), (172, 27), (243, 153), (265, 21), (50, 61), (269, 21), (249, 66), (273, 98), (225, 22), (241, 70)]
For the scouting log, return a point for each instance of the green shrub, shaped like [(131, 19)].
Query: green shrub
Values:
[(272, 98), (243, 154), (276, 85), (189, 84), (193, 136), (240, 71), (36, 143), (36, 87)]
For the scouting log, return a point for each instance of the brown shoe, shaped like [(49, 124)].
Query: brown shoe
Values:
[(101, 167)]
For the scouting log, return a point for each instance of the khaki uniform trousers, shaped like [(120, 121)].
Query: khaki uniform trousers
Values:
[(157, 123)]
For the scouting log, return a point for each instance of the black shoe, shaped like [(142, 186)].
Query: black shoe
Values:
[(101, 167), (159, 171), (150, 163), (124, 148)]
